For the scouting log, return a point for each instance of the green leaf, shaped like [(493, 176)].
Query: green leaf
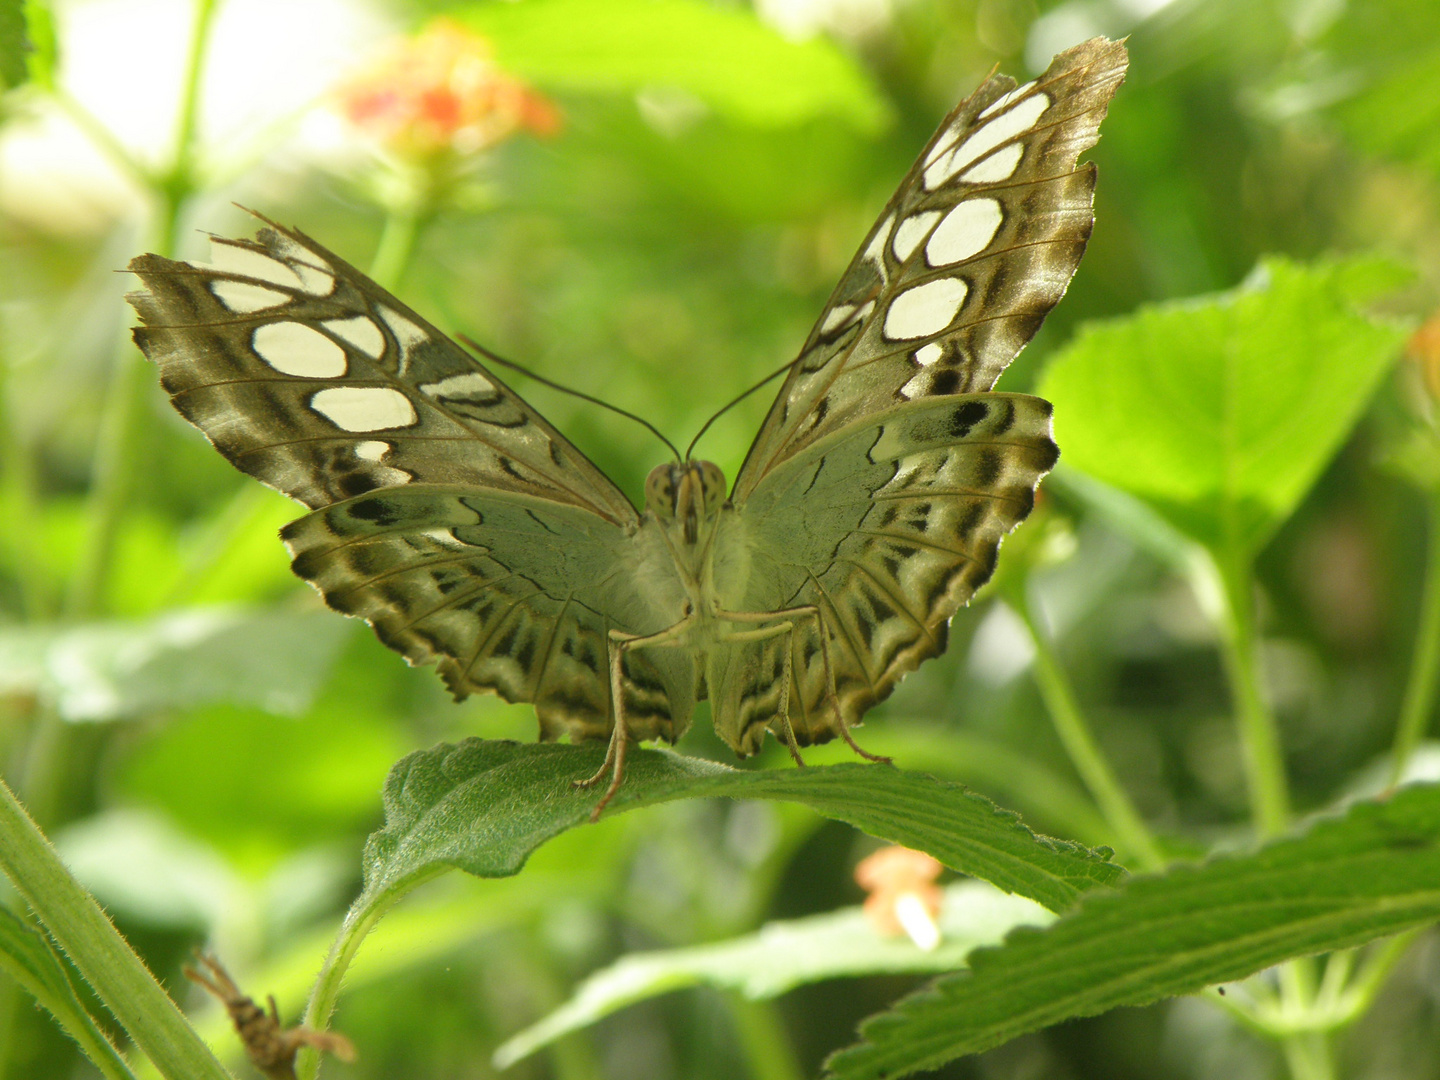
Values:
[(27, 958), (723, 56), (108, 671), (1221, 411), (484, 806), (1351, 880), (784, 955)]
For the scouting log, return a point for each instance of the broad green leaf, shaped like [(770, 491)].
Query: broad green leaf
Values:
[(27, 957), (1367, 875), (484, 806), (108, 671), (722, 56), (784, 955), (1221, 411)]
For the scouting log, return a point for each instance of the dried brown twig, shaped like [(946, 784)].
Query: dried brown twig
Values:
[(270, 1047)]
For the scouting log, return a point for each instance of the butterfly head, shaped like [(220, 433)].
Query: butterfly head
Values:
[(687, 492)]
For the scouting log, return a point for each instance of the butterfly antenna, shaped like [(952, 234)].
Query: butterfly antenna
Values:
[(731, 404), (470, 343)]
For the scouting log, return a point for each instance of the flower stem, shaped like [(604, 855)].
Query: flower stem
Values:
[(1419, 702), (763, 1040), (1258, 732), (1120, 814)]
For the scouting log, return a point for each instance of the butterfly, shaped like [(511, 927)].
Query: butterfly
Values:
[(470, 533)]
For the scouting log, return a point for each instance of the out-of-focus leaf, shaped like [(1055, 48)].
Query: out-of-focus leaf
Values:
[(722, 56), (108, 671), (1221, 411), (137, 864), (783, 955), (14, 44), (1373, 873), (27, 958), (484, 806)]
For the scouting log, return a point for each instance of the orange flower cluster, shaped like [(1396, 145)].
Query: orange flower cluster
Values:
[(440, 92), (904, 898)]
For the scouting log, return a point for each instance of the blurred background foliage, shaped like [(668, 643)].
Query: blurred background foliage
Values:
[(207, 748)]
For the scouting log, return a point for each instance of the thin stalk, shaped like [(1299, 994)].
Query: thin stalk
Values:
[(115, 448), (18, 478), (762, 1038), (397, 244), (1308, 1056), (1258, 732), (1419, 702), (102, 138), (1120, 814), (215, 542), (104, 959)]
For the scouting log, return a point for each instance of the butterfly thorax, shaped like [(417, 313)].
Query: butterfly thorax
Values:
[(686, 499)]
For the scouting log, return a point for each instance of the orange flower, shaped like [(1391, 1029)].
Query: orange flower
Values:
[(1424, 348), (439, 92), (904, 898)]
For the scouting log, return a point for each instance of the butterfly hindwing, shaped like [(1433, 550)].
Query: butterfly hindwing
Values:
[(899, 522)]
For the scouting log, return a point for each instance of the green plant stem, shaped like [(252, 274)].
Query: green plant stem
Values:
[(397, 243), (119, 429), (1308, 1056), (1419, 702), (1120, 814), (762, 1038), (104, 959), (1258, 732), (18, 477)]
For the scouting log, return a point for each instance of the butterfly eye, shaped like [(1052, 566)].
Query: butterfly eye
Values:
[(660, 492), (712, 483)]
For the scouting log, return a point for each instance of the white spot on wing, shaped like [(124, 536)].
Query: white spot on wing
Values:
[(245, 299), (946, 142), (386, 476), (1001, 102), (836, 317), (360, 332), (371, 450), (967, 230), (316, 276), (911, 231), (928, 354), (405, 331), (364, 408), (875, 250), (471, 385), (925, 309), (1002, 128), (236, 259), (293, 348), (998, 166), (916, 386)]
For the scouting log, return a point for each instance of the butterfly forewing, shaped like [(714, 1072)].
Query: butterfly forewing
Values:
[(976, 246), (310, 377)]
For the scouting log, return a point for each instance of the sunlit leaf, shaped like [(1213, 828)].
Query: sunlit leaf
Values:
[(783, 955), (724, 57), (1221, 411), (109, 671), (14, 44), (1348, 881)]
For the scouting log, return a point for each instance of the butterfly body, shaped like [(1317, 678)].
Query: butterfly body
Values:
[(452, 517)]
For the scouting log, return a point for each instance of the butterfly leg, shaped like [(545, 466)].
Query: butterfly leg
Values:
[(788, 629), (811, 611), (617, 644)]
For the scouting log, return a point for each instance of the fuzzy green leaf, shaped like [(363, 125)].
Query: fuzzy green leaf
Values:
[(484, 806), (1348, 881)]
